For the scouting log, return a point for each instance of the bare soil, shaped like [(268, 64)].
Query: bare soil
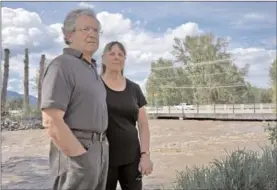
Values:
[(175, 144)]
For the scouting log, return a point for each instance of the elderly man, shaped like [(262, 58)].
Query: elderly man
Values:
[(74, 108)]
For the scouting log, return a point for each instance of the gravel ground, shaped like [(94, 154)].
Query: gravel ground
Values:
[(174, 143)]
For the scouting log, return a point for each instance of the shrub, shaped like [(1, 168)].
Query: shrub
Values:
[(271, 128), (240, 170)]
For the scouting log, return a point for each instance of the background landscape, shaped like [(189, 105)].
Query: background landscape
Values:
[(147, 29), (200, 53)]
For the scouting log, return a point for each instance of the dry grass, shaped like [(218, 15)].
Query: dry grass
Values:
[(175, 144)]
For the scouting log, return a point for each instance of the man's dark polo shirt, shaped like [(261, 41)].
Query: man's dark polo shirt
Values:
[(73, 85)]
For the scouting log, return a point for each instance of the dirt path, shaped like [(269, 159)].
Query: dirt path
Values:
[(174, 143)]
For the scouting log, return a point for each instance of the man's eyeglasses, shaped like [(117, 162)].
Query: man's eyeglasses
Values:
[(88, 30)]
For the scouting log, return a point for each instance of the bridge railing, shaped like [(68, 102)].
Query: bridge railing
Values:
[(217, 108)]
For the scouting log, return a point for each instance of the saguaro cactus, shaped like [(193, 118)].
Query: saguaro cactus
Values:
[(26, 80), (41, 71), (5, 78)]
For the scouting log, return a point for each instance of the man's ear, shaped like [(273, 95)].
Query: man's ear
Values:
[(66, 35)]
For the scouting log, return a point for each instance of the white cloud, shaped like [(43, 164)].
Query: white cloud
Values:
[(21, 28), (251, 19), (254, 16), (142, 46), (260, 60), (269, 42), (86, 5), (111, 21)]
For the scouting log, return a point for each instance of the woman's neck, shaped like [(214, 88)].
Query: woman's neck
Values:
[(112, 76)]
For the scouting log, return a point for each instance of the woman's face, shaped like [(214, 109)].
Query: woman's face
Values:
[(114, 59)]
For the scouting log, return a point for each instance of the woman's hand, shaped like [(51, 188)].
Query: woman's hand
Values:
[(145, 165)]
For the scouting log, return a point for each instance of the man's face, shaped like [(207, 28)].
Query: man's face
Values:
[(86, 34)]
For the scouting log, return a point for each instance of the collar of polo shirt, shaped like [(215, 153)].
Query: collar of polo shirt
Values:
[(77, 53)]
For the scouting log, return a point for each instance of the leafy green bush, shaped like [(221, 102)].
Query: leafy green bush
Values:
[(240, 170)]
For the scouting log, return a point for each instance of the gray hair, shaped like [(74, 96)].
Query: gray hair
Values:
[(70, 20)]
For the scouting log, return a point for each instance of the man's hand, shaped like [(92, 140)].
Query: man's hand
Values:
[(145, 165), (60, 133)]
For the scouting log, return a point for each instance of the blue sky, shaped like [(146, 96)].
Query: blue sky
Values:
[(251, 27)]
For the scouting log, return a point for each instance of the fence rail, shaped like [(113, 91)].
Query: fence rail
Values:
[(255, 111)]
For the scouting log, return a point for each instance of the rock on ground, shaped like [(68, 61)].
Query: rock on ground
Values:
[(11, 124)]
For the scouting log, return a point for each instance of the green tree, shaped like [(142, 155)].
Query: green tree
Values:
[(205, 74), (159, 83), (216, 79), (273, 80)]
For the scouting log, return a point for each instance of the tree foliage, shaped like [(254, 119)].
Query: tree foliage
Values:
[(205, 74), (15, 104), (273, 79)]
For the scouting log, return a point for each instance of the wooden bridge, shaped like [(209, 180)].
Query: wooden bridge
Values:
[(232, 112)]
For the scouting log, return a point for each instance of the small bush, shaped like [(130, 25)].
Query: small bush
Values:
[(271, 128), (240, 170)]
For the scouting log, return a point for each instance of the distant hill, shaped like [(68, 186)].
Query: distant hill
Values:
[(15, 95)]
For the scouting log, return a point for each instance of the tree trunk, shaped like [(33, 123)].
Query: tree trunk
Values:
[(5, 79), (41, 72), (26, 80)]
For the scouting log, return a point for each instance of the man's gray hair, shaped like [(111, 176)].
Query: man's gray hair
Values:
[(70, 20)]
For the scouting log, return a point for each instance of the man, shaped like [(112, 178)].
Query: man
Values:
[(74, 108)]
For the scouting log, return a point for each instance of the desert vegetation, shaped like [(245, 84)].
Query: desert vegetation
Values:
[(240, 169), (18, 113)]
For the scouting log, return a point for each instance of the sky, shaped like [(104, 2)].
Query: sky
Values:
[(147, 30)]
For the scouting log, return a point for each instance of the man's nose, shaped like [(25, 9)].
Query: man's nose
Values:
[(91, 35)]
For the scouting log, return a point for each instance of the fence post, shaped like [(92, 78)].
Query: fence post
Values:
[(214, 108), (254, 107)]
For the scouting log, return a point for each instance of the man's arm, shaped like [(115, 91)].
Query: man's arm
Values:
[(60, 133), (57, 86)]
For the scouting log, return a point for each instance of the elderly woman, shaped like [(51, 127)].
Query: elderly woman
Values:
[(129, 157)]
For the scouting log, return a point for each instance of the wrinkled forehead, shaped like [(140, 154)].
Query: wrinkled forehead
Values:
[(86, 21)]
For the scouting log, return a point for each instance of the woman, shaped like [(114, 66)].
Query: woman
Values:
[(129, 156)]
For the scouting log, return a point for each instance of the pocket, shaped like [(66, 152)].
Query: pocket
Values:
[(81, 162)]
